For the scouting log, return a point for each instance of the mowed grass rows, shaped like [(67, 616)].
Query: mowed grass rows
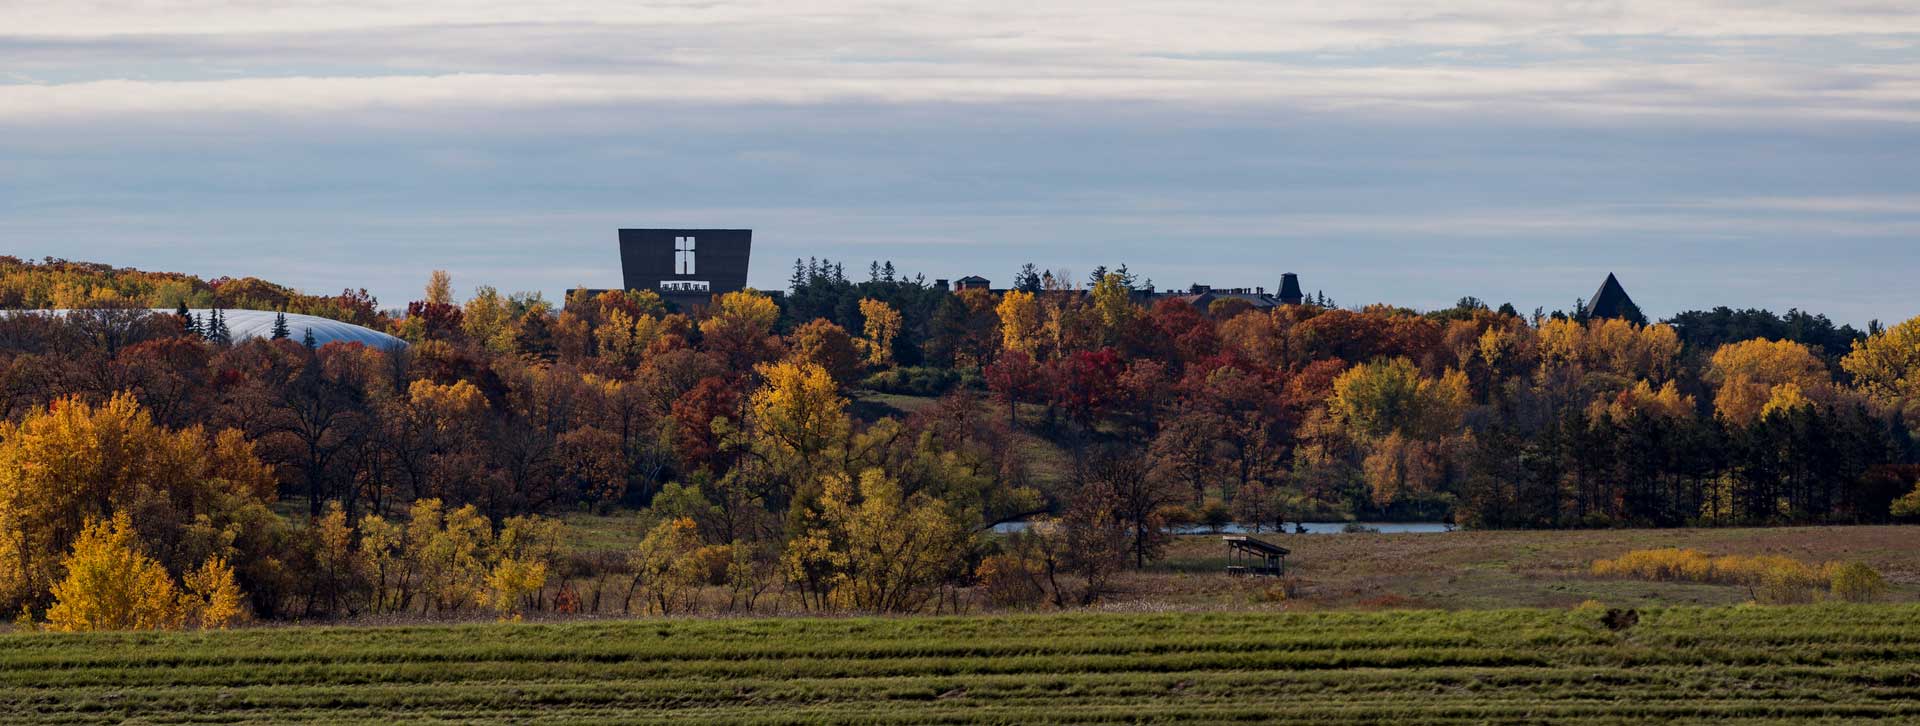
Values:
[(1759, 663)]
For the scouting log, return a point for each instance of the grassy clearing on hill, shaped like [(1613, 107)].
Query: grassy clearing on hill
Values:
[(1744, 663)]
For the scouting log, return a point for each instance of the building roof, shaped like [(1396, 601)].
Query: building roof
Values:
[(245, 324), (1243, 542), (1611, 301), (1290, 289), (973, 280)]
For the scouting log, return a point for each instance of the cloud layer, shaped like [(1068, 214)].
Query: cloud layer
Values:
[(1712, 152)]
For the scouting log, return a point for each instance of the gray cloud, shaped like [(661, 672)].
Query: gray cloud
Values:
[(1711, 152)]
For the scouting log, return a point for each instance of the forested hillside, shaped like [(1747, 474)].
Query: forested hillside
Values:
[(341, 479)]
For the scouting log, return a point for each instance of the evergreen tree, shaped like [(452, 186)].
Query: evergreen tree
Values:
[(306, 339), (217, 332), (1028, 279), (188, 324), (1099, 273), (280, 331)]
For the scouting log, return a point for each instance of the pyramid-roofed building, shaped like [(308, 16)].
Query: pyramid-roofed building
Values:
[(1612, 301)]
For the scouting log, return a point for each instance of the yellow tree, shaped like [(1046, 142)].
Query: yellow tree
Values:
[(1407, 424), (213, 599), (900, 548), (73, 462), (526, 550), (1113, 304), (1748, 375), (1665, 402), (1887, 367), (624, 339), (740, 327), (440, 288), (488, 320), (1021, 321), (112, 585), (882, 326), (446, 550), (869, 546), (667, 566), (798, 412)]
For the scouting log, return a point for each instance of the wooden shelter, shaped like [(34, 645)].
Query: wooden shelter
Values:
[(1249, 556)]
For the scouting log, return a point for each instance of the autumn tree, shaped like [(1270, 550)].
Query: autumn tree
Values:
[(665, 566), (195, 495), (111, 584), (446, 550), (1113, 304), (488, 320), (799, 414), (521, 558), (827, 345), (439, 288), (1021, 321), (1014, 378), (1139, 499), (875, 548), (882, 326), (1886, 367), (1752, 376), (740, 328), (1405, 422)]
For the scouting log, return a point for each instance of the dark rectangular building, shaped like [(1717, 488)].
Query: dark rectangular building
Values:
[(686, 266)]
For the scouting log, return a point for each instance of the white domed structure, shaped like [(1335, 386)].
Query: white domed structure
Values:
[(248, 324), (245, 324)]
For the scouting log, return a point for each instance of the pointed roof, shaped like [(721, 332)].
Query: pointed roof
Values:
[(1290, 289), (1611, 301)]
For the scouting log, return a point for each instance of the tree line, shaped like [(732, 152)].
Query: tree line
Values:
[(336, 479)]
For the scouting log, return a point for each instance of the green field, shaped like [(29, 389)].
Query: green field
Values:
[(1784, 664)]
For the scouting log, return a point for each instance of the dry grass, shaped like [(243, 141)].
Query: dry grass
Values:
[(1479, 570)]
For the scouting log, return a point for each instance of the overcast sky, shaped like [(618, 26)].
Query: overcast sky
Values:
[(1739, 153)]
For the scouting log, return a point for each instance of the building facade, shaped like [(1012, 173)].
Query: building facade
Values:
[(686, 266)]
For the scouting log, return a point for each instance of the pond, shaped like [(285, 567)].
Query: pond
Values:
[(1295, 527)]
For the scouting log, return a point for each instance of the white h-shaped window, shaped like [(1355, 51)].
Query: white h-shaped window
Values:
[(683, 255)]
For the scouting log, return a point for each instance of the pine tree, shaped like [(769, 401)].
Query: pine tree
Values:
[(307, 339), (280, 331), (217, 332), (1028, 279), (188, 323)]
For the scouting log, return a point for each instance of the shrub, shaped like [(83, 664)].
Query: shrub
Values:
[(1282, 590), (913, 381), (1856, 582), (1771, 578), (1010, 581), (1783, 581), (112, 585), (1907, 507), (1215, 515), (213, 599)]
